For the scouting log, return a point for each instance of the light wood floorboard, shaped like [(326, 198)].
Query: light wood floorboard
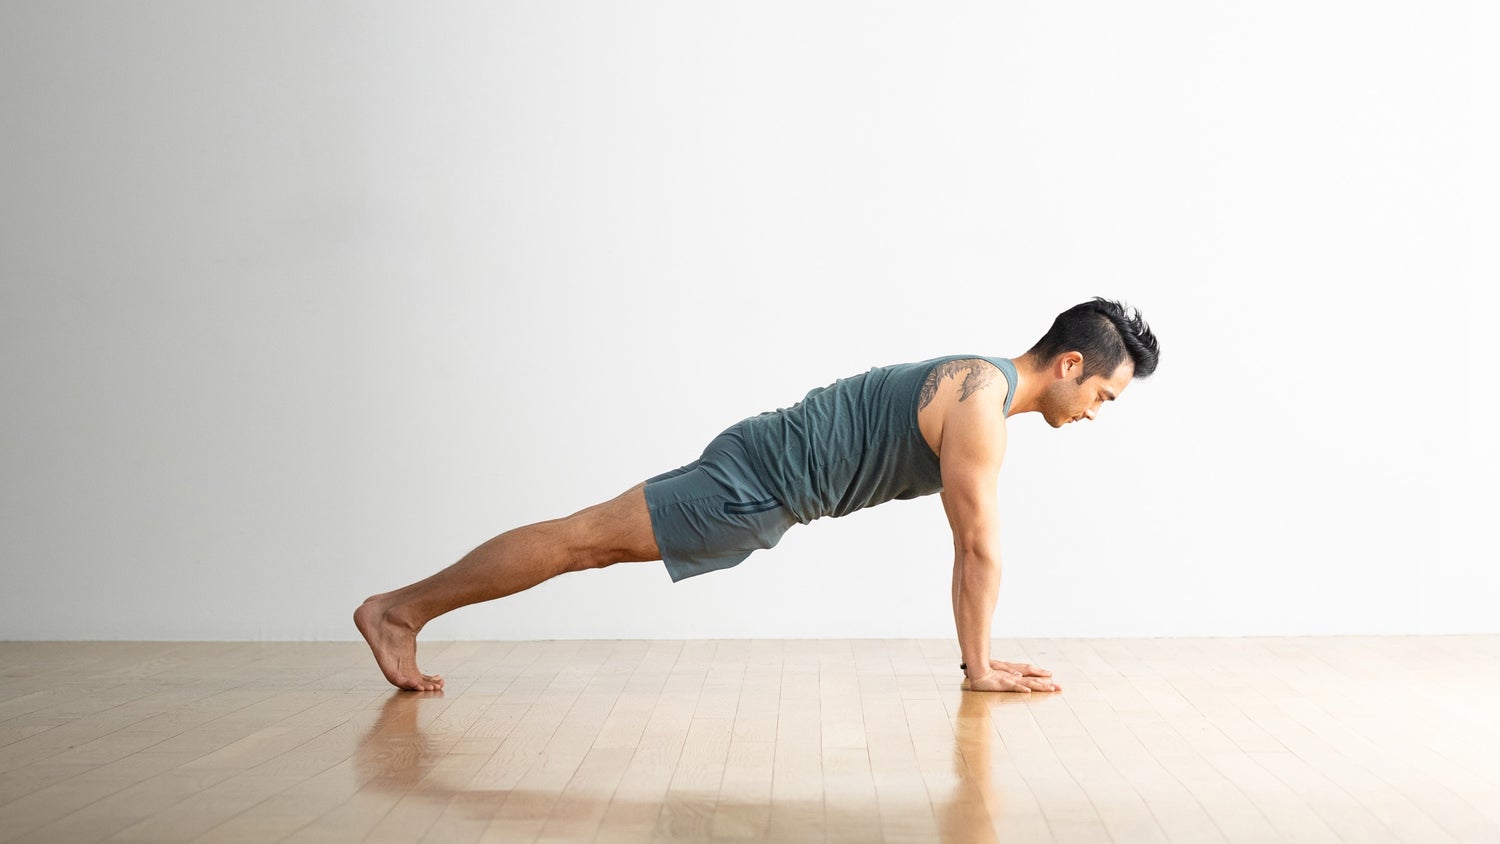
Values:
[(1356, 739)]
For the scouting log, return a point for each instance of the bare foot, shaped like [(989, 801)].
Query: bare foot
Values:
[(394, 646)]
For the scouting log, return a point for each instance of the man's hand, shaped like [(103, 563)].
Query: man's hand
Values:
[(1025, 669), (1012, 677)]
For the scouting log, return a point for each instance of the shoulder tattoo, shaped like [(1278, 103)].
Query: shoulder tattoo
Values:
[(981, 373)]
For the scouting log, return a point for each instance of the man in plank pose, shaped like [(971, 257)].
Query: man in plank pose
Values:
[(898, 431)]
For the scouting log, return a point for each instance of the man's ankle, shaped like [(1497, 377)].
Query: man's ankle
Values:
[(402, 615)]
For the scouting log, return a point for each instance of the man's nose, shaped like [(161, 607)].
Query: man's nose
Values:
[(1091, 413)]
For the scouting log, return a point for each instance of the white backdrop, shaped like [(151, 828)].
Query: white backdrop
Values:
[(303, 301)]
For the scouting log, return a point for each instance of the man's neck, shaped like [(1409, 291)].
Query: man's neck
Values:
[(1029, 386)]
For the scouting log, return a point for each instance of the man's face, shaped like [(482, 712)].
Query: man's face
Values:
[(1066, 400)]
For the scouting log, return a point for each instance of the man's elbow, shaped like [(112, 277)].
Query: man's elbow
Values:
[(976, 541)]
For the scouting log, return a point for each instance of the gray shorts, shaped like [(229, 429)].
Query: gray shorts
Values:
[(714, 512)]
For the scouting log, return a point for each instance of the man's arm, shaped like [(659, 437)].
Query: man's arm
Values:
[(973, 448)]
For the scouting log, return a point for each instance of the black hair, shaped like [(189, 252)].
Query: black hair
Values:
[(1104, 332)]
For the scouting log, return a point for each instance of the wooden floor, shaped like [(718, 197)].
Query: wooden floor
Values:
[(1191, 740)]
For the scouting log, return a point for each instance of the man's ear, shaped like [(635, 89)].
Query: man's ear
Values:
[(1070, 365)]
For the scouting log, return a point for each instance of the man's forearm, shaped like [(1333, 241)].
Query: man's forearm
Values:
[(976, 586)]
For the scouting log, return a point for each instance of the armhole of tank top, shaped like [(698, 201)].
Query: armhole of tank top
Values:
[(1008, 370)]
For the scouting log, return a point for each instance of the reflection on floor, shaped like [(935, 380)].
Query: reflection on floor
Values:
[(1193, 740)]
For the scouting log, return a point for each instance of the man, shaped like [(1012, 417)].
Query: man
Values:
[(894, 432)]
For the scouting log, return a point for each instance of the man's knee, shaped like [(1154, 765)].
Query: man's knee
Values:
[(616, 531)]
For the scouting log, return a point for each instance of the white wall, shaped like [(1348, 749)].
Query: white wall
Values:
[(302, 302)]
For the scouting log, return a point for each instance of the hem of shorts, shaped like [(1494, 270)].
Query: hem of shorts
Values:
[(680, 571), (651, 517), (676, 569)]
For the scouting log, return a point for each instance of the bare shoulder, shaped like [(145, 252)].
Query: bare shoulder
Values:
[(969, 374), (971, 387)]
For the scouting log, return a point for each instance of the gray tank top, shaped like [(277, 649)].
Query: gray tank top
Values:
[(852, 444)]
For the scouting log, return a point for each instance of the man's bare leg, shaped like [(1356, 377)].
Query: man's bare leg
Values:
[(616, 531)]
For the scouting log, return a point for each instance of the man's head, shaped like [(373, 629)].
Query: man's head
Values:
[(1088, 356)]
